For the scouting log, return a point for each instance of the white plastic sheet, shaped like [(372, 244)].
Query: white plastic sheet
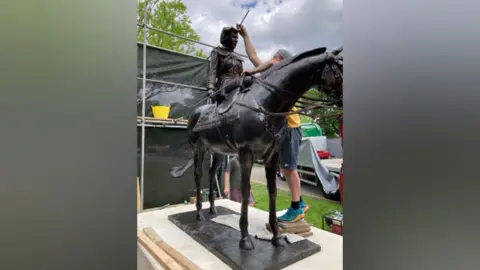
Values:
[(308, 157)]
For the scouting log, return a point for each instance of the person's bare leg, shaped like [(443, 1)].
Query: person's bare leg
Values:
[(289, 155), (251, 200), (286, 174), (293, 181)]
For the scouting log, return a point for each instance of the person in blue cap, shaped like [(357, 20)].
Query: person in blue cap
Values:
[(292, 139)]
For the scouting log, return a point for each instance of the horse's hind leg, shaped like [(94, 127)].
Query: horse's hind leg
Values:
[(216, 162), (198, 156), (271, 174), (245, 156)]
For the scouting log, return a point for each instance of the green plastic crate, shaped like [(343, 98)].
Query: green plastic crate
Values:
[(311, 130)]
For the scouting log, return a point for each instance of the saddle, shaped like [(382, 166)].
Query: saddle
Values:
[(219, 114), (226, 104), (231, 92)]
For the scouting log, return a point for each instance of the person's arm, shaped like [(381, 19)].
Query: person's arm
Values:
[(262, 67), (226, 189), (251, 52), (227, 180)]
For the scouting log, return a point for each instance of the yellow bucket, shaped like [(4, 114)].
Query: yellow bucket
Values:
[(161, 112)]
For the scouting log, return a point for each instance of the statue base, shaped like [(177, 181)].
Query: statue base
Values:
[(222, 241)]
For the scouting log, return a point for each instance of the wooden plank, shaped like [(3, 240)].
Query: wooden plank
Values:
[(177, 256), (294, 227), (305, 234), (159, 254), (166, 123), (270, 229), (300, 229), (139, 201), (301, 232), (299, 223), (163, 120)]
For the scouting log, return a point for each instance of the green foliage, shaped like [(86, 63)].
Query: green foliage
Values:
[(201, 53), (306, 119), (170, 16), (327, 123)]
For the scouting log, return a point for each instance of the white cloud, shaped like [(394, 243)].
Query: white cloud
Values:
[(296, 25)]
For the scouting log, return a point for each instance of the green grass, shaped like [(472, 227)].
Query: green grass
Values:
[(318, 207)]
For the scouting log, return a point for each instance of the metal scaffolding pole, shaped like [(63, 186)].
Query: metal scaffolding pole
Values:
[(172, 51), (175, 84), (144, 86), (178, 36)]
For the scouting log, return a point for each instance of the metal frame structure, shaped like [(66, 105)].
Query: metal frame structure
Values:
[(143, 122)]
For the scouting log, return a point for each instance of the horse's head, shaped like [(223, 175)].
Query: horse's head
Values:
[(316, 68), (332, 79)]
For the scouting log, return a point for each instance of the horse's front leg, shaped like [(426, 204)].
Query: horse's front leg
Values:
[(217, 161), (198, 173), (271, 174), (245, 156)]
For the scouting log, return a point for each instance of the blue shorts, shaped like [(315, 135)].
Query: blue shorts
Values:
[(290, 148)]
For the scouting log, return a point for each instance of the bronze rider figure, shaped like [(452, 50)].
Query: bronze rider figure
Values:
[(226, 67)]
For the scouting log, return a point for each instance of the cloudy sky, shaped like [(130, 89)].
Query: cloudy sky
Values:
[(296, 25)]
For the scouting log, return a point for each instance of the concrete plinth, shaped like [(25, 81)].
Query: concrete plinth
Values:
[(330, 257)]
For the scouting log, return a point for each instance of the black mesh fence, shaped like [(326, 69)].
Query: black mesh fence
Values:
[(168, 147), (164, 68), (165, 148)]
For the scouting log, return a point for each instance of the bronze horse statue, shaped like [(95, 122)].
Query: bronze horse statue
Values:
[(249, 123)]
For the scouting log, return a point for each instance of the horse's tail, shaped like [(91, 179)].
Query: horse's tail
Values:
[(192, 137), (178, 171)]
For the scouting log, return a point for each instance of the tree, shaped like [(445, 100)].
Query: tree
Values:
[(327, 123), (170, 16)]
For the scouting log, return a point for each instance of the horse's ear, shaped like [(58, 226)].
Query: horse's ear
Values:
[(310, 53)]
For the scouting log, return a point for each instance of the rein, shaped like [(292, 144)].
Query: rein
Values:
[(302, 111), (308, 101)]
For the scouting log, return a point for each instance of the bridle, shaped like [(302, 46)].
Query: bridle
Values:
[(310, 103)]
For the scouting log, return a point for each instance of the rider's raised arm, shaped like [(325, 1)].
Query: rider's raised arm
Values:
[(251, 52), (213, 68)]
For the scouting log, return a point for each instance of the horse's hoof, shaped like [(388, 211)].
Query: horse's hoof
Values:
[(213, 211), (200, 217), (246, 243), (278, 241)]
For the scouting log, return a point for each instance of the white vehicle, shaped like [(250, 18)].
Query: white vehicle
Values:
[(314, 165)]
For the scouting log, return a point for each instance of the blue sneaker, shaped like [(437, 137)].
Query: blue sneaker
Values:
[(292, 215), (304, 207)]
